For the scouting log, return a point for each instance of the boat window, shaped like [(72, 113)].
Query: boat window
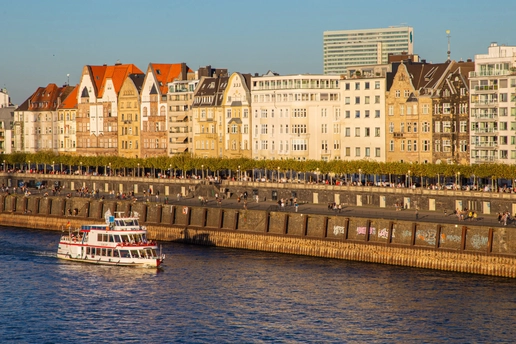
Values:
[(117, 223), (99, 237), (104, 252), (125, 254), (111, 239), (117, 238), (134, 254), (128, 223), (116, 253), (125, 238), (154, 254), (87, 250)]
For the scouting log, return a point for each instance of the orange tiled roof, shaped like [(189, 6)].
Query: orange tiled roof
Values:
[(70, 102), (117, 73), (167, 72), (48, 98)]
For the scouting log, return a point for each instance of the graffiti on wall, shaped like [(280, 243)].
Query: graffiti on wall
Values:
[(450, 238), (427, 235), (478, 241), (338, 230), (383, 233), (363, 230)]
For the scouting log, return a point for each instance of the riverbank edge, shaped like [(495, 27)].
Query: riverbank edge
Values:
[(456, 261)]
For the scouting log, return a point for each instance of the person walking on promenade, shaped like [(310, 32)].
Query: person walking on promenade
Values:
[(297, 206), (245, 204), (417, 214)]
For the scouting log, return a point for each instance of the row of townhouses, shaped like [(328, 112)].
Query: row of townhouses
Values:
[(403, 110)]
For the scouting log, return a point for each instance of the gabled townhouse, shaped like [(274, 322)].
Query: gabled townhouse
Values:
[(207, 119), (180, 101), (295, 117), (97, 108), (493, 106), (35, 123), (129, 101), (410, 87), (153, 119), (66, 114), (450, 118)]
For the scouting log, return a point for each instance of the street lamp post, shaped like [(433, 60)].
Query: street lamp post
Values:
[(110, 169), (29, 166), (278, 174), (53, 167), (458, 181), (409, 180), (4, 165), (202, 172), (81, 167), (360, 177), (138, 174), (170, 171)]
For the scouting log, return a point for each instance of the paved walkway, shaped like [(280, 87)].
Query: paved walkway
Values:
[(350, 211)]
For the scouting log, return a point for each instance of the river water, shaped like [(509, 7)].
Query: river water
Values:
[(216, 295)]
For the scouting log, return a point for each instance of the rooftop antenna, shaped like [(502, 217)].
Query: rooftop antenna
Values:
[(448, 35), (67, 79)]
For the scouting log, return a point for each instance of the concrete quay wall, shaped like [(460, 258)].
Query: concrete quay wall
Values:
[(423, 199), (462, 248)]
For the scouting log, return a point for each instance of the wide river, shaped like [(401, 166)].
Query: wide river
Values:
[(216, 295)]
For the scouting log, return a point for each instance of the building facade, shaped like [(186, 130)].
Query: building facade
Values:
[(97, 108), (66, 113), (154, 114), (493, 106), (409, 107), (129, 116), (207, 119), (35, 121), (296, 116), (364, 47), (450, 117)]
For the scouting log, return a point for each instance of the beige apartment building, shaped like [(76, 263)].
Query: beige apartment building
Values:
[(129, 116), (154, 114), (35, 121), (409, 108), (221, 116), (66, 113)]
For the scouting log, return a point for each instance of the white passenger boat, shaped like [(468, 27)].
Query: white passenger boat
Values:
[(120, 241)]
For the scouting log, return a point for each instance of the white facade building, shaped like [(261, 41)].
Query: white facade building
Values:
[(363, 117), (493, 106), (364, 47), (295, 116)]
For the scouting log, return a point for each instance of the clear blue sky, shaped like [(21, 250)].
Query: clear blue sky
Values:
[(43, 41)]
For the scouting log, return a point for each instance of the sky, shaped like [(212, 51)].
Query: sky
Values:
[(44, 41)]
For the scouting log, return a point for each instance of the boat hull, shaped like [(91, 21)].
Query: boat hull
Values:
[(128, 262)]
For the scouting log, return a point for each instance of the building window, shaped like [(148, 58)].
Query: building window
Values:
[(357, 132), (357, 151)]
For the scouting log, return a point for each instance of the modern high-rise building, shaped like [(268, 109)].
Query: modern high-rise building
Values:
[(358, 47)]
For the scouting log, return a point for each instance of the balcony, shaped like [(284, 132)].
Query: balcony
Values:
[(489, 102), (486, 88), (484, 158), (485, 130), (490, 144), (485, 116), (485, 73)]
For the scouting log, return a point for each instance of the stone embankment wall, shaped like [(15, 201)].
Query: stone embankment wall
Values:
[(383, 197), (468, 248)]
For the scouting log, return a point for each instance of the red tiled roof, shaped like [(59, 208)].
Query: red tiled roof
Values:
[(167, 72), (48, 98), (70, 102), (117, 73)]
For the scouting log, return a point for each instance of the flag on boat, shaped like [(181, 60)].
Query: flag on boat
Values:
[(68, 224)]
